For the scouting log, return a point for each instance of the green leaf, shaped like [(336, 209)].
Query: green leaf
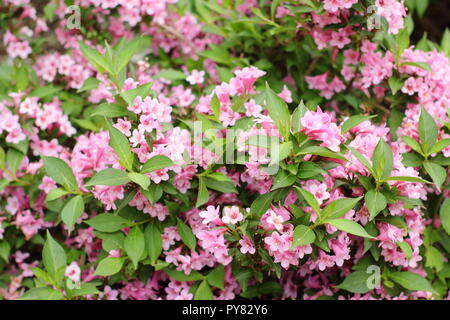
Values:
[(22, 78), (283, 179), (297, 115), (382, 160), (42, 293), (153, 241), (411, 281), (134, 245), (440, 145), (349, 226), (321, 151), (119, 142), (219, 182), (55, 194), (170, 74), (428, 131), (140, 179), (72, 211), (203, 195), (262, 204), (434, 258), (444, 214), (96, 59), (413, 144), (89, 84), (108, 177), (111, 110), (310, 199), (436, 172), (186, 234), (215, 107), (445, 43), (279, 112), (182, 277), (5, 250), (109, 266), (422, 65), (59, 171), (54, 258), (406, 248), (339, 207), (356, 282), (308, 170), (395, 84), (354, 121), (280, 152), (361, 158), (127, 49), (375, 202), (407, 179), (141, 91), (203, 292), (107, 222), (46, 91), (303, 236), (14, 159), (156, 163), (216, 277)]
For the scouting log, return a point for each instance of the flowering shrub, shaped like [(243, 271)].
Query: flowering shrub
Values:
[(217, 149)]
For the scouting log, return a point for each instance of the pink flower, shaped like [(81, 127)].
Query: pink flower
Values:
[(232, 215), (73, 272), (252, 109), (210, 215), (196, 77), (247, 246)]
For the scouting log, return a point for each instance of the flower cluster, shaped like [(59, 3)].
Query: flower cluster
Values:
[(162, 150)]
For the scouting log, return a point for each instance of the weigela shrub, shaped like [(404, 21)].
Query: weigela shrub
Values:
[(217, 149)]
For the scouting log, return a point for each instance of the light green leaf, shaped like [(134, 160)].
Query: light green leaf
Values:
[(339, 207), (108, 177), (54, 258), (170, 74), (203, 195), (382, 160), (141, 91), (186, 234), (42, 293), (303, 236), (72, 211), (310, 199), (356, 282), (428, 131), (411, 281), (354, 121), (153, 241), (436, 172), (97, 60), (59, 171), (119, 142), (107, 222), (109, 266), (444, 213), (349, 226), (375, 202), (203, 292), (216, 277), (140, 179), (134, 245), (14, 159), (156, 163), (279, 112)]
